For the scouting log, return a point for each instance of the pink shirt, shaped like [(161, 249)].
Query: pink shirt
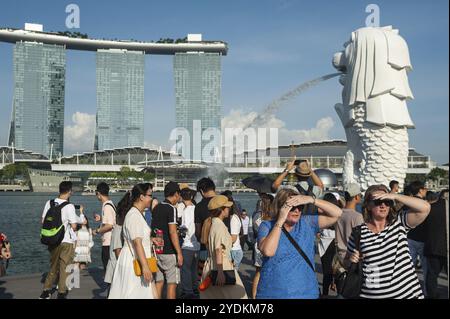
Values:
[(108, 217)]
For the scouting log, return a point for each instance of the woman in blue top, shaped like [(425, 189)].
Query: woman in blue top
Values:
[(285, 273)]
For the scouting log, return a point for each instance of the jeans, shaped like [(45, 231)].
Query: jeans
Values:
[(236, 256), (416, 250), (189, 277)]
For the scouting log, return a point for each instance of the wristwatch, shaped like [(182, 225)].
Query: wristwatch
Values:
[(278, 225)]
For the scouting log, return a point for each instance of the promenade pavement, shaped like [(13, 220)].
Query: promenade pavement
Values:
[(92, 286)]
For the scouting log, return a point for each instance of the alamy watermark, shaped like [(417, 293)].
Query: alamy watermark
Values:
[(73, 19), (372, 274), (229, 146), (73, 279), (373, 19)]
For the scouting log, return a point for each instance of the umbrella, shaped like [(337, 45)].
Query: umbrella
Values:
[(259, 183)]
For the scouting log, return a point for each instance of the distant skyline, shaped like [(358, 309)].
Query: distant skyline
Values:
[(273, 47)]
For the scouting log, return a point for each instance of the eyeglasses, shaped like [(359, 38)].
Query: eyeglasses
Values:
[(378, 202)]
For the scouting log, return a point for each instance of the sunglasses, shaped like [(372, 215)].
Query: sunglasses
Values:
[(300, 208), (378, 202)]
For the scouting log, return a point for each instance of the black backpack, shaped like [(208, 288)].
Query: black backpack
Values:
[(53, 230)]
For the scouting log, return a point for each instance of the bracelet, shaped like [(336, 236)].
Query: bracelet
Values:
[(278, 225)]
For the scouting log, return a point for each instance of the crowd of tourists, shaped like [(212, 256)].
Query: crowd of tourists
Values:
[(369, 242)]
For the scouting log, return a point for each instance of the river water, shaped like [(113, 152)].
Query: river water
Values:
[(20, 220)]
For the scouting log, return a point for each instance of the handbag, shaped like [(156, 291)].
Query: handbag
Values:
[(230, 277), (349, 283), (152, 262)]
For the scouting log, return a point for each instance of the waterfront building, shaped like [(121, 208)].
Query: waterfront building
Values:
[(197, 96), (37, 120), (120, 99)]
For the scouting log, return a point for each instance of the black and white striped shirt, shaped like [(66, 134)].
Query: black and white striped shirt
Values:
[(387, 265)]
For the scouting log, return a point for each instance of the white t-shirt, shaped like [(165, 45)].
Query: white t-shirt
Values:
[(245, 224), (187, 219), (326, 238), (180, 207), (68, 216), (108, 217), (235, 225)]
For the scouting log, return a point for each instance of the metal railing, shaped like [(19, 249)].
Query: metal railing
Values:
[(331, 162)]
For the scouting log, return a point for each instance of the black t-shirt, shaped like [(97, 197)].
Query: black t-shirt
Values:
[(419, 232), (435, 235), (163, 215), (201, 213)]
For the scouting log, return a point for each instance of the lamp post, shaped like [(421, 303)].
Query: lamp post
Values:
[(291, 177)]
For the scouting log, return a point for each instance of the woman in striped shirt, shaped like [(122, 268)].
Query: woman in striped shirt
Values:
[(388, 271)]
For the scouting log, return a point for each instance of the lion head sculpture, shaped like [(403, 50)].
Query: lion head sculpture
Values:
[(375, 63)]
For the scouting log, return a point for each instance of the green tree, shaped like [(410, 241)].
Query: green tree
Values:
[(437, 174), (14, 171), (415, 177)]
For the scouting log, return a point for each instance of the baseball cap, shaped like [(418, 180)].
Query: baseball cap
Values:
[(353, 189), (219, 201)]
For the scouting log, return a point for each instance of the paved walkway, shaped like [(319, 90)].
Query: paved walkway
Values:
[(92, 287)]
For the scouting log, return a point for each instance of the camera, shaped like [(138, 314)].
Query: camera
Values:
[(182, 231), (77, 206)]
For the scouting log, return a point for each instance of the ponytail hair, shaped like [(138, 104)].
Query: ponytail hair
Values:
[(128, 200)]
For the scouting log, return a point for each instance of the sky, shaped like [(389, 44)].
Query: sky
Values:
[(274, 46)]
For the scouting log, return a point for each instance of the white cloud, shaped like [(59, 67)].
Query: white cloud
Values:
[(242, 119), (79, 137), (318, 133)]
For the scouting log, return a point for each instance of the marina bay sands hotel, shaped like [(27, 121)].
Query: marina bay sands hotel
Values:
[(37, 120)]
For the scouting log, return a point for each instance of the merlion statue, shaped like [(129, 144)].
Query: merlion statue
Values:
[(373, 111)]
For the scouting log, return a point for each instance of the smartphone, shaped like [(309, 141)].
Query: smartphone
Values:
[(77, 206)]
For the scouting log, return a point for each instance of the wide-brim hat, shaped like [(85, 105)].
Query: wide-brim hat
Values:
[(219, 201), (303, 169)]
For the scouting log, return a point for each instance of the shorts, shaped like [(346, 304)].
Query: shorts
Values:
[(168, 269)]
